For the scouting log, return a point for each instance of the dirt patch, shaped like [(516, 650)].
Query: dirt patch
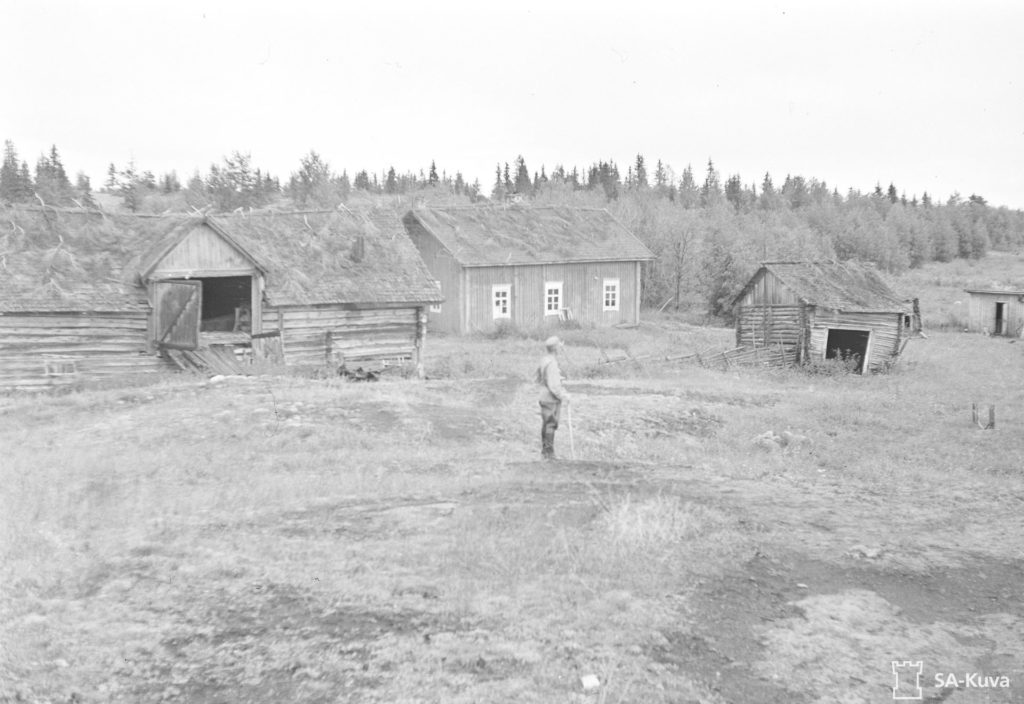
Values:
[(722, 399), (276, 643), (750, 626), (454, 423), (365, 521), (656, 423)]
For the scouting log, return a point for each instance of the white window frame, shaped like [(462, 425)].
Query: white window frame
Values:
[(548, 286), (501, 293), (614, 284)]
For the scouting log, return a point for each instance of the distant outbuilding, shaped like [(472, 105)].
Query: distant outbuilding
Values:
[(995, 311), (87, 294), (824, 310), (528, 266)]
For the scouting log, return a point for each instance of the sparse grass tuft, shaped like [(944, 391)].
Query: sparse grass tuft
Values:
[(654, 524)]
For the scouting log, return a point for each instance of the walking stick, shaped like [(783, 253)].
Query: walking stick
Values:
[(568, 417)]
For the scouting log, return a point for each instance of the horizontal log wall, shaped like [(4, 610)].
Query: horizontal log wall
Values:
[(39, 350), (885, 328), (763, 326), (373, 334)]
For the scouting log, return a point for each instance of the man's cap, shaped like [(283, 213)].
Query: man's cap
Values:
[(552, 342)]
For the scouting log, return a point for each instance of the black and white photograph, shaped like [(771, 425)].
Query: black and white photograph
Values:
[(536, 352)]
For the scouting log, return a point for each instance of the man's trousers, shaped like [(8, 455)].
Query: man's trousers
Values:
[(549, 412)]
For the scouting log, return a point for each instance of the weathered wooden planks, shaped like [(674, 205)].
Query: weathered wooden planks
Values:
[(93, 344), (324, 335)]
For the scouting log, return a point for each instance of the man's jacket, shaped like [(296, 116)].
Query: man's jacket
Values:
[(549, 376)]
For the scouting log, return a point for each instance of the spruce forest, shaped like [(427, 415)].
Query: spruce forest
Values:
[(708, 231)]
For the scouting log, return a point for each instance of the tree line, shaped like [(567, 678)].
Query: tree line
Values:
[(708, 233)]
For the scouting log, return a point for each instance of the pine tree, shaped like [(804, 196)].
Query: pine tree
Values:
[(660, 176), (523, 185), (169, 182), (25, 184), (111, 183), (59, 175), (640, 173), (734, 191), (432, 179), (342, 185), (84, 190), (689, 194), (52, 183), (391, 182), (312, 183), (12, 190), (711, 191), (893, 196), (498, 192)]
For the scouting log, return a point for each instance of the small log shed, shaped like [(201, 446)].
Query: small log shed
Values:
[(824, 310)]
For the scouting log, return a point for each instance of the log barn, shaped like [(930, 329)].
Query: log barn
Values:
[(824, 310), (528, 266), (995, 311), (89, 294)]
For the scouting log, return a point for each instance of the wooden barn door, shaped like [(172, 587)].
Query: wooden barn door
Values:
[(178, 307)]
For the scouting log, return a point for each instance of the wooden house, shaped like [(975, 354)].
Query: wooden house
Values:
[(87, 294), (995, 312), (824, 310), (528, 266)]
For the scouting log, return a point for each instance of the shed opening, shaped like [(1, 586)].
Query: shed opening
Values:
[(227, 303), (850, 346), (1000, 327)]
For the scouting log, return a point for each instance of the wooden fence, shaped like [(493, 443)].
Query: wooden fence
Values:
[(774, 356)]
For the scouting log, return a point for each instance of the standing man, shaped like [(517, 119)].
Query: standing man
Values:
[(552, 396)]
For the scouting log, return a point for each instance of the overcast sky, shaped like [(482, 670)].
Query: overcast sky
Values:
[(926, 95)]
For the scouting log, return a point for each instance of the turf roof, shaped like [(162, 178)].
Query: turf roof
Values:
[(518, 235), (841, 286), (78, 260)]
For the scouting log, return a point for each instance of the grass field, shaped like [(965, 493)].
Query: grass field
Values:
[(276, 539)]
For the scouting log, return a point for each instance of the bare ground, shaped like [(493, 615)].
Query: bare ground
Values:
[(401, 543)]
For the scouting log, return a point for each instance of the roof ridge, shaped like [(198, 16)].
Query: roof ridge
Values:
[(501, 206)]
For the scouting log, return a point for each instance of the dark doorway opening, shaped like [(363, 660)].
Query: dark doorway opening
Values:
[(1000, 328), (227, 304), (850, 346)]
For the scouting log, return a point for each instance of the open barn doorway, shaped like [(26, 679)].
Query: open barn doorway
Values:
[(850, 346), (1000, 326), (227, 304)]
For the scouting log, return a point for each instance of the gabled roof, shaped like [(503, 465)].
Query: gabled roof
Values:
[(77, 260), (518, 235), (842, 286), (996, 291), (332, 256), (162, 247)]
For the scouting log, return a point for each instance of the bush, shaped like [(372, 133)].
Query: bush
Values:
[(837, 366)]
